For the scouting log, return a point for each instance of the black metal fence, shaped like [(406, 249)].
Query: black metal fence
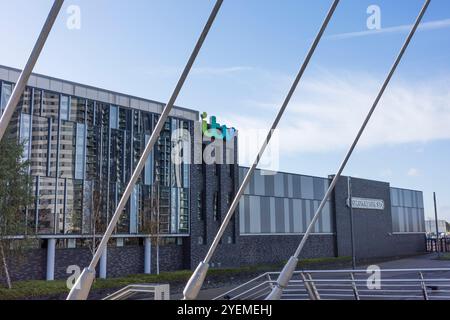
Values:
[(438, 245)]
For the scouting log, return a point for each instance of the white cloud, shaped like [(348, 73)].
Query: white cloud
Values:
[(432, 25), (413, 172), (329, 110)]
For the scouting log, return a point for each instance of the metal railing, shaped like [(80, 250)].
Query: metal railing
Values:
[(146, 291), (392, 284), (441, 245)]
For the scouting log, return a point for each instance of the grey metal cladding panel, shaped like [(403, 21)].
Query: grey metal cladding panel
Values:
[(291, 216), (255, 214), (319, 188), (410, 219), (290, 185), (407, 217), (315, 206), (401, 198), (279, 215), (242, 215), (308, 209), (270, 185), (420, 203), (394, 197), (422, 220), (326, 218), (307, 187), (3, 74), (401, 219), (297, 187), (259, 184), (286, 185), (297, 215), (247, 214), (395, 219), (415, 201), (408, 198), (252, 184), (265, 215), (306, 214), (272, 216), (286, 215), (416, 219), (279, 185)]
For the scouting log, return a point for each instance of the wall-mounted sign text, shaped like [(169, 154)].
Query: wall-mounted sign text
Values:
[(369, 204)]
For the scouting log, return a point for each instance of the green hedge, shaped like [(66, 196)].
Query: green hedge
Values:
[(39, 288)]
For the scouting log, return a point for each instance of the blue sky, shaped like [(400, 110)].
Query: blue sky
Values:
[(248, 62)]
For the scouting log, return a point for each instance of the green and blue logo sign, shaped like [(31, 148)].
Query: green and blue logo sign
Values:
[(215, 131)]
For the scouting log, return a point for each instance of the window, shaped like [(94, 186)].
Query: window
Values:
[(68, 147), (25, 134), (50, 105), (46, 205), (25, 102), (6, 91), (80, 151), (64, 114), (74, 206), (113, 117), (39, 146), (77, 109)]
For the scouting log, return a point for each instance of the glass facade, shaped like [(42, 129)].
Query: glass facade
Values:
[(82, 154)]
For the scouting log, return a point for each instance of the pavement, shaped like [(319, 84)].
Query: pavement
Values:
[(428, 261)]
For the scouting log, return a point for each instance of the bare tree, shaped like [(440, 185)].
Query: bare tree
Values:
[(96, 221), (151, 223)]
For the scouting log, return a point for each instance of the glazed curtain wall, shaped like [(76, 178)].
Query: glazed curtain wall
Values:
[(82, 154)]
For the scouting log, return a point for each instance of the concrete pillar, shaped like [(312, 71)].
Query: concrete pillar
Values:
[(103, 264), (51, 245), (148, 256)]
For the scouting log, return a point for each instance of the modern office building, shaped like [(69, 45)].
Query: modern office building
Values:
[(83, 143)]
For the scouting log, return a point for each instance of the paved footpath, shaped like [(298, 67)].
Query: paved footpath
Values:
[(427, 261)]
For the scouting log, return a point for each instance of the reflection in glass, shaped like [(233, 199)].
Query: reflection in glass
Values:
[(53, 145), (50, 105), (46, 205), (39, 146), (77, 109), (6, 91), (80, 151), (25, 135), (113, 118), (67, 150), (24, 105), (74, 206), (37, 102), (65, 106)]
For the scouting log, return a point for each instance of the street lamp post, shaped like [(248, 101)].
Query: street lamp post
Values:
[(438, 247), (289, 269), (352, 221)]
